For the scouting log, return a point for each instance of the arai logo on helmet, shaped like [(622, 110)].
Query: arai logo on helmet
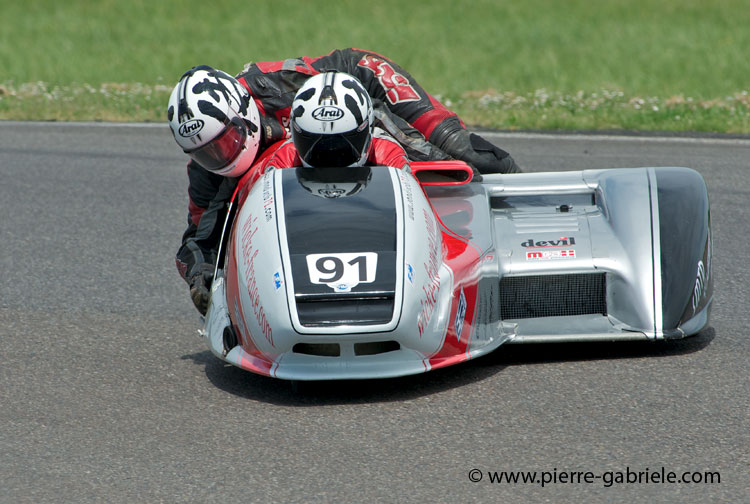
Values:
[(327, 113), (190, 128)]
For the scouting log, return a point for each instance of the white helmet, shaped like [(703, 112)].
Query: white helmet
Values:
[(332, 121), (215, 121)]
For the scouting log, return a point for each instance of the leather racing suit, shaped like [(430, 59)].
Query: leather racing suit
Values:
[(401, 106)]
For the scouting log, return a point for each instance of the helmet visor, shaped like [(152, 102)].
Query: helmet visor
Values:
[(327, 150), (224, 149)]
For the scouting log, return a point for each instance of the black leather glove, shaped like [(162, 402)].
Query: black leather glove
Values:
[(483, 156), (488, 158), (200, 280)]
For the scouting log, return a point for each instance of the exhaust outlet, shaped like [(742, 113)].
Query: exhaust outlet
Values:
[(229, 339)]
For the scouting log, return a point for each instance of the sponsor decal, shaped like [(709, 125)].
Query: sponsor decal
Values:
[(431, 287), (564, 241), (408, 195), (277, 280), (190, 128), (546, 255), (249, 254), (410, 273), (342, 272), (460, 315), (397, 87), (267, 197), (327, 113)]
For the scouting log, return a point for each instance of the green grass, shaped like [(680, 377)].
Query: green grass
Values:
[(632, 64)]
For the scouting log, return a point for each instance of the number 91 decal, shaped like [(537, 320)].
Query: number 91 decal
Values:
[(342, 272)]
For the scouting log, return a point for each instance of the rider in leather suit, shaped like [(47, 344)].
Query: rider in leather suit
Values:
[(422, 125)]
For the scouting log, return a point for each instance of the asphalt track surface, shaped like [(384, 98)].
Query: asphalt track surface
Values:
[(107, 394)]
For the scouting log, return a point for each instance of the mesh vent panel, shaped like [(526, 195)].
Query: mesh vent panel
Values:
[(553, 295)]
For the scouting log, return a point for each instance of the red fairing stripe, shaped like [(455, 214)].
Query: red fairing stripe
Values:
[(233, 296), (427, 122), (462, 258), (259, 363)]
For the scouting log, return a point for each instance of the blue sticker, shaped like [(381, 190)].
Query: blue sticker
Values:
[(277, 280)]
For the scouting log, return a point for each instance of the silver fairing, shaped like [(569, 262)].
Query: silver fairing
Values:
[(393, 321), (640, 264), (407, 279)]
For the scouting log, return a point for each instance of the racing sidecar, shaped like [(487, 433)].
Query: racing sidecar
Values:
[(384, 272)]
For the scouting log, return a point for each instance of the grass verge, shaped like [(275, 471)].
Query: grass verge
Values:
[(541, 109), (538, 64)]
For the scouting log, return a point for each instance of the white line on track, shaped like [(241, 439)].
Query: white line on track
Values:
[(619, 138), (88, 124), (574, 137)]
